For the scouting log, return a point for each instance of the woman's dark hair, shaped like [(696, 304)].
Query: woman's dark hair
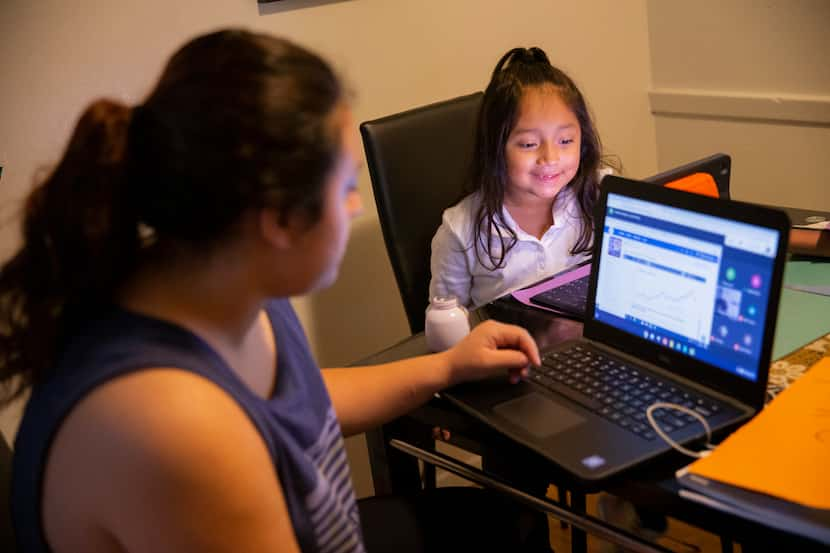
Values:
[(237, 121), (517, 70)]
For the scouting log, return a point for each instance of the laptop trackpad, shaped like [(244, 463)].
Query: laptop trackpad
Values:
[(538, 415)]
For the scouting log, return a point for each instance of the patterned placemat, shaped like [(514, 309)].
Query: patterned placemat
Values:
[(785, 370)]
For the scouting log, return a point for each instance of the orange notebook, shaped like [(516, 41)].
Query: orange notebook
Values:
[(784, 451)]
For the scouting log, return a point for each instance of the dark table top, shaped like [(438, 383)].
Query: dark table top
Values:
[(652, 485)]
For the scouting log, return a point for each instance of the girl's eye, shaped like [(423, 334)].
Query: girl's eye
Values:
[(527, 145), (566, 141)]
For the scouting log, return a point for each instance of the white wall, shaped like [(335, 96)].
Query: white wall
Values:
[(750, 78), (56, 55)]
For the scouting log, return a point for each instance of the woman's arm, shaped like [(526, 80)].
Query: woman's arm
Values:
[(163, 460), (365, 397)]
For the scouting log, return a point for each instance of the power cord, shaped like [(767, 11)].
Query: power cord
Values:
[(665, 405)]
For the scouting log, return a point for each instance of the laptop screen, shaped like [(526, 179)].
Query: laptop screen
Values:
[(691, 282)]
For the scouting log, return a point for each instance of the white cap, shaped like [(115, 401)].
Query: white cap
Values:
[(444, 302)]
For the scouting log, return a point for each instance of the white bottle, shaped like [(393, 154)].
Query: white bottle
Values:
[(446, 323)]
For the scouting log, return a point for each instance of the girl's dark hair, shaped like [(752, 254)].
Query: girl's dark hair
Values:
[(237, 121), (517, 70)]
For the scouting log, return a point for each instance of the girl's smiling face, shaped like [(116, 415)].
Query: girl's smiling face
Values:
[(542, 150)]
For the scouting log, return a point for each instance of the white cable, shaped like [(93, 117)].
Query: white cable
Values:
[(664, 405)]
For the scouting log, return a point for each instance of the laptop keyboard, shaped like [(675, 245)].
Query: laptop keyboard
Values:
[(570, 296), (617, 391)]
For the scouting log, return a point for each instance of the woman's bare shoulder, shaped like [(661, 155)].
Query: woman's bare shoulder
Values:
[(161, 459)]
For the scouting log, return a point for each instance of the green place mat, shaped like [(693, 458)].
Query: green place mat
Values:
[(802, 317), (807, 272)]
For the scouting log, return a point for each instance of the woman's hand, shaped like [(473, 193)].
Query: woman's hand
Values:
[(491, 349)]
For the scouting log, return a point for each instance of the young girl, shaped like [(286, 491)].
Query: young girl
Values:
[(535, 177), (175, 405)]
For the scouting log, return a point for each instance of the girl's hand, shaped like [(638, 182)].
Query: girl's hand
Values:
[(491, 349)]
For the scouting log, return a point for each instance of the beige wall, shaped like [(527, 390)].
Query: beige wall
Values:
[(396, 54), (751, 79), (56, 55)]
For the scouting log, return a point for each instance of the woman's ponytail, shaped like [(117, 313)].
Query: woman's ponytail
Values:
[(79, 240)]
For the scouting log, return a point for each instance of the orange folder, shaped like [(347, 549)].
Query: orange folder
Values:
[(785, 450)]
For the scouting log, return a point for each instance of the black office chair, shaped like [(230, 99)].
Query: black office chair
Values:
[(418, 160)]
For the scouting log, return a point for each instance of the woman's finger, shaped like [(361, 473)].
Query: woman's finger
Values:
[(515, 337)]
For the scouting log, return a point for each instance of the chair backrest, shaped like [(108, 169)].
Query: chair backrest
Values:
[(708, 176), (418, 160)]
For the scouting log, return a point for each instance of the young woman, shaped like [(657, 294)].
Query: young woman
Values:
[(175, 405)]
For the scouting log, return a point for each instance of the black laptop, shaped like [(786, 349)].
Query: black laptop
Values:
[(571, 296), (682, 305)]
